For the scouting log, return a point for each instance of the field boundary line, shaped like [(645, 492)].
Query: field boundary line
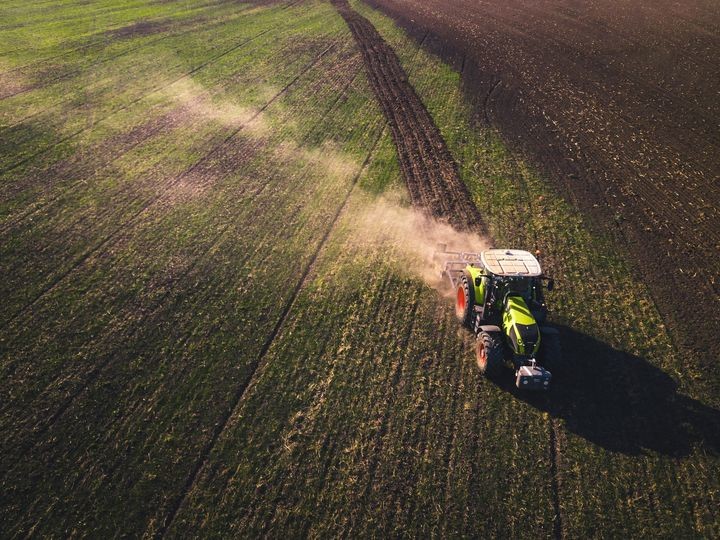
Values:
[(260, 359)]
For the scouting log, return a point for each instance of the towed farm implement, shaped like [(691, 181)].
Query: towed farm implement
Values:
[(499, 296)]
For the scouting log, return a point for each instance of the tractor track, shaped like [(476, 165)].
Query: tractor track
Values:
[(261, 357), (429, 170)]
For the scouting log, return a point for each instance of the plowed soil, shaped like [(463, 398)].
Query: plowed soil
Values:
[(426, 164), (618, 103)]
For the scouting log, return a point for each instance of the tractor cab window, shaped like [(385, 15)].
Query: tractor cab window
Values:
[(522, 286)]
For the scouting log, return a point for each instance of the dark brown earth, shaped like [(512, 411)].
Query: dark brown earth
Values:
[(617, 102), (426, 164), (142, 28)]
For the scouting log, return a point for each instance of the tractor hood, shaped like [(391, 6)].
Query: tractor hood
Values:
[(520, 327)]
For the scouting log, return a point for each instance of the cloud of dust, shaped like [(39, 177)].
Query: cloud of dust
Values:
[(198, 102), (327, 159), (412, 238)]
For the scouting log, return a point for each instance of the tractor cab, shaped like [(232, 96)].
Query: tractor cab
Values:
[(513, 274)]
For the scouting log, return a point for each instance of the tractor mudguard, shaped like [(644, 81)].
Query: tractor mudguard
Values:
[(489, 328), (473, 273), (471, 281)]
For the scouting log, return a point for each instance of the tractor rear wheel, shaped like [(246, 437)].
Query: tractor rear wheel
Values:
[(489, 352), (464, 302)]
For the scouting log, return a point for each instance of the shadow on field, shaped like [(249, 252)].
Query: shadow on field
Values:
[(620, 401)]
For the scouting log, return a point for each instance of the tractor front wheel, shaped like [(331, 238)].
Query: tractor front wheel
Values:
[(464, 302), (489, 353)]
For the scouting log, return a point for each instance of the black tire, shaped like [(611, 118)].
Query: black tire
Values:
[(465, 302), (550, 353), (489, 354)]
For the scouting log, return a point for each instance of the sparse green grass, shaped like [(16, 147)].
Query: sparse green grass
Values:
[(366, 415)]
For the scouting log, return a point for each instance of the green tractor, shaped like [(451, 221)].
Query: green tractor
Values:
[(499, 296)]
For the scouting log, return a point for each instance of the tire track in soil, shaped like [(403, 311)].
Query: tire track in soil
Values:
[(427, 166), (259, 360), (203, 163), (429, 170)]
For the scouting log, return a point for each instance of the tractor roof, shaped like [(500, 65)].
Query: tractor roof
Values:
[(510, 262)]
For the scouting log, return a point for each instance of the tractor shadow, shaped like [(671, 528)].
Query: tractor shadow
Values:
[(620, 401)]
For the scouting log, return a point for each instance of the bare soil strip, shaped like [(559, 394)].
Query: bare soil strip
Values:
[(427, 166)]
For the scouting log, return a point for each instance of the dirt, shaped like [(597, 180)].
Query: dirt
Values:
[(388, 225), (142, 28), (617, 103), (11, 84), (426, 164)]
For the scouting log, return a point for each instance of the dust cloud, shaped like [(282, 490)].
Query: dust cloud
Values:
[(198, 103), (328, 160), (411, 238)]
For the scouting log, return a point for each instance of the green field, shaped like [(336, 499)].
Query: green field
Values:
[(208, 330)]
